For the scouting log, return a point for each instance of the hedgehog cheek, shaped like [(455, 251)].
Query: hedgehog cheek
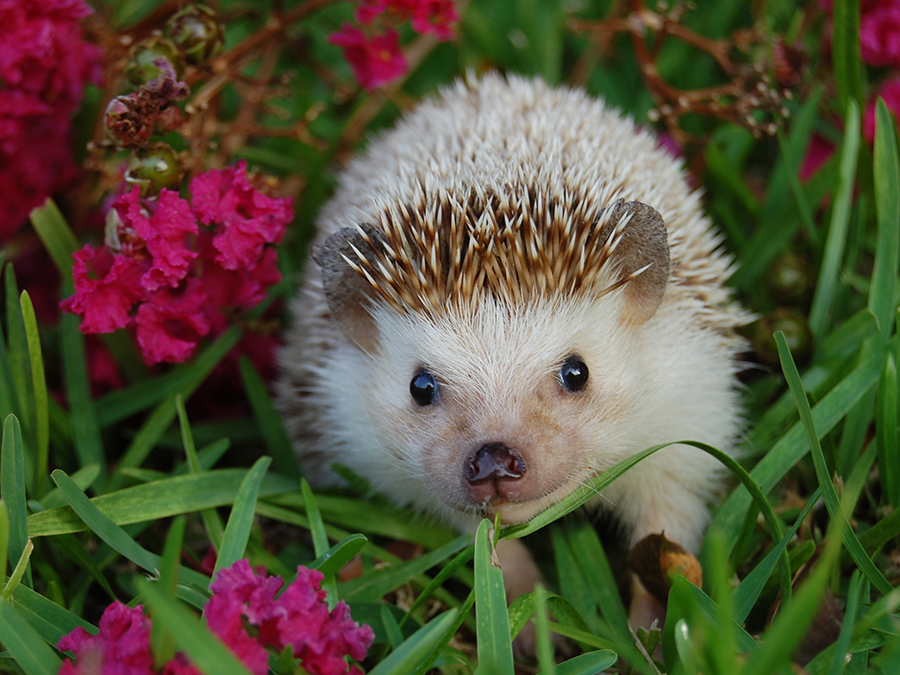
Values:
[(641, 256), (349, 294)]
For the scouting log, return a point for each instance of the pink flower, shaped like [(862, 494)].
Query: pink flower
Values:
[(376, 60), (43, 68), (818, 152), (890, 92), (106, 298), (169, 279), (245, 219), (163, 233), (122, 646), (298, 617), (879, 35), (426, 16)]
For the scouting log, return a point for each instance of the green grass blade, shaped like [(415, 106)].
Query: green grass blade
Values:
[(240, 521), (838, 227), (589, 663), (746, 594), (162, 641), (155, 500), (446, 572), (184, 378), (39, 390), (56, 236), (545, 655), (270, 423), (492, 618), (18, 571), (30, 652), (12, 487), (316, 525), (854, 600), (85, 425), (215, 530), (114, 535), (845, 56), (331, 562), (791, 448), (4, 535), (829, 493), (374, 585), (883, 289), (19, 364), (886, 431), (201, 646), (416, 647), (46, 617)]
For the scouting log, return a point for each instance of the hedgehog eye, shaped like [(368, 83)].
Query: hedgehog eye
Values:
[(573, 374), (423, 388)]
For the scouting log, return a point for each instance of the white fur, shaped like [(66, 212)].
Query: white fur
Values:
[(670, 379)]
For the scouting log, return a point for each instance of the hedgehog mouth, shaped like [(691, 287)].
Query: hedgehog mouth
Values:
[(513, 512)]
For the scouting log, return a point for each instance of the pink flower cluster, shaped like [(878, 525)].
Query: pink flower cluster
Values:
[(171, 280), (299, 617), (44, 65), (374, 53)]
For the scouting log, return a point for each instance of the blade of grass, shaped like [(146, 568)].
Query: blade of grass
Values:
[(39, 390), (12, 487), (448, 570), (46, 617), (56, 236), (85, 426), (17, 344), (331, 562), (546, 662), (269, 422), (416, 647), (162, 642), (838, 227), (114, 535), (215, 530), (492, 618), (882, 300), (854, 600), (829, 493), (30, 652), (18, 571), (589, 663), (155, 500), (886, 431), (319, 536), (846, 60), (240, 521)]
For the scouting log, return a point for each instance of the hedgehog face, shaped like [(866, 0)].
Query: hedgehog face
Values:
[(502, 409)]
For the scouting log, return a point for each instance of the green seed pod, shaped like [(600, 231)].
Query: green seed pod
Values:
[(796, 332), (154, 168), (197, 32), (791, 280), (142, 67)]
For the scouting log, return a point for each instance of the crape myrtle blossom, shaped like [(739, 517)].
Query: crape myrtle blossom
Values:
[(44, 65), (374, 53), (174, 270), (246, 615)]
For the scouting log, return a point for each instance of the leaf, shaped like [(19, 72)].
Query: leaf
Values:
[(31, 653), (155, 500), (886, 431), (883, 289), (829, 493), (845, 58), (589, 663), (492, 619), (417, 646), (56, 236), (837, 229), (270, 422), (12, 487), (39, 390), (114, 535), (237, 531)]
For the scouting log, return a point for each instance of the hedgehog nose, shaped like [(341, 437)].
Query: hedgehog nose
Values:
[(494, 462)]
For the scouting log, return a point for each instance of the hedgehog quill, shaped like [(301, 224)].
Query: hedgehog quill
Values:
[(515, 290)]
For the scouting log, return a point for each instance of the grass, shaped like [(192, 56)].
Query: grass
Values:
[(98, 494)]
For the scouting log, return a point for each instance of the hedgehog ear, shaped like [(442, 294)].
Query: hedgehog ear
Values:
[(348, 293), (642, 257)]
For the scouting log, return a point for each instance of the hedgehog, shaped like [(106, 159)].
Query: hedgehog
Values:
[(514, 290)]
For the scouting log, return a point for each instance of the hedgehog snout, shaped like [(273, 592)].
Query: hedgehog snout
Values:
[(492, 470)]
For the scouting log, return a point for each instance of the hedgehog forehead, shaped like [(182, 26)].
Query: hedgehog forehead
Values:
[(517, 245)]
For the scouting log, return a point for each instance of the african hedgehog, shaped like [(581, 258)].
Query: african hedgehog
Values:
[(515, 290)]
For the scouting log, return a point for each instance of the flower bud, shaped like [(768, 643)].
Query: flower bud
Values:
[(197, 32), (791, 280), (796, 332), (154, 168), (128, 121), (142, 64)]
